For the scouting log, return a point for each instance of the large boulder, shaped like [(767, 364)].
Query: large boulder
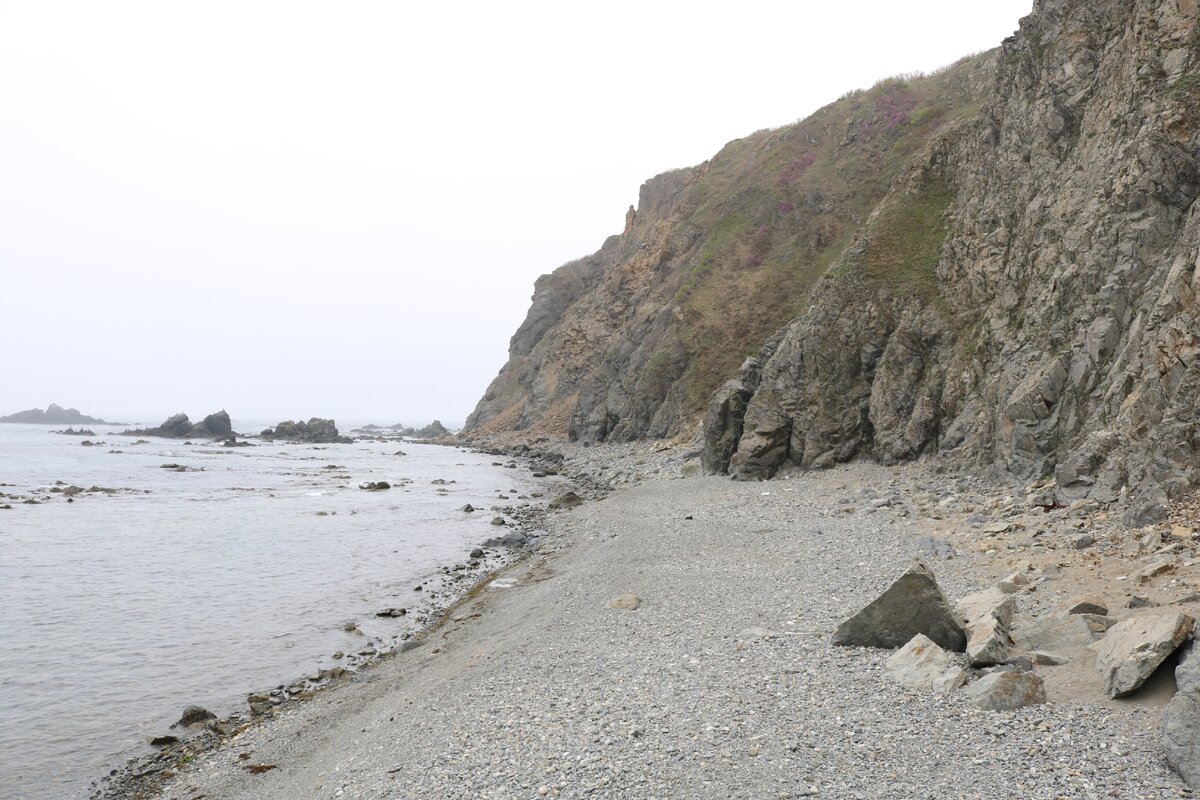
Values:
[(217, 426), (316, 430), (1181, 718), (989, 641), (1005, 691), (1133, 649), (913, 604), (923, 666)]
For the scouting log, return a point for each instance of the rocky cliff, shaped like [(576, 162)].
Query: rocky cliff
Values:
[(1014, 287)]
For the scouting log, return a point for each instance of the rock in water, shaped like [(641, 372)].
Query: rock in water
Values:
[(913, 604), (922, 665), (1005, 691), (1133, 649)]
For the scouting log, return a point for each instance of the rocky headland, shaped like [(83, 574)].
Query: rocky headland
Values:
[(55, 414)]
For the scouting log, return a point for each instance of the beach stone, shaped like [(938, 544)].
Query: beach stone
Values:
[(164, 740), (922, 665), (497, 520), (1013, 583), (1133, 649), (468, 508), (626, 602), (1086, 605), (988, 643), (990, 602), (1055, 633), (1042, 658), (193, 714), (1083, 541), (1156, 567), (1187, 670), (568, 500), (1005, 691), (913, 604), (1181, 735), (1140, 601), (391, 612)]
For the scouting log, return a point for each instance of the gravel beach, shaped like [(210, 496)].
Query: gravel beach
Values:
[(721, 682)]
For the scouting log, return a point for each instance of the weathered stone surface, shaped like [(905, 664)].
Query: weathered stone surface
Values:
[(1187, 670), (1133, 649), (194, 714), (913, 604), (1054, 634), (1086, 605), (568, 500), (1005, 691), (989, 642), (1181, 735), (923, 666), (989, 602)]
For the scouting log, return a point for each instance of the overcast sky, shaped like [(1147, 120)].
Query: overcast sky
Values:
[(339, 209)]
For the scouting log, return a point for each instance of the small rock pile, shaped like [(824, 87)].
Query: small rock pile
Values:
[(1001, 650)]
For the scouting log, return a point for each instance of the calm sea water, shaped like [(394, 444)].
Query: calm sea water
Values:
[(118, 610)]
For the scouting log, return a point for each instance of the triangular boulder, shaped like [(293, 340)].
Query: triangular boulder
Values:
[(913, 604)]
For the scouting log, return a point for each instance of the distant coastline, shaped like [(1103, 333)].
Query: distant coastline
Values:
[(55, 414)]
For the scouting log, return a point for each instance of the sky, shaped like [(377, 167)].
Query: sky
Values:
[(339, 209)]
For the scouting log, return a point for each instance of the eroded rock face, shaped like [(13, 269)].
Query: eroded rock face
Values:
[(1058, 331), (913, 605)]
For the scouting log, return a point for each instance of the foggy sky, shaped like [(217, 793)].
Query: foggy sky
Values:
[(299, 209)]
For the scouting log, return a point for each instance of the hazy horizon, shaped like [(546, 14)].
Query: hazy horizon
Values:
[(287, 212)]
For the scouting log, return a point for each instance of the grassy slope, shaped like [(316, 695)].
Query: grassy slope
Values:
[(778, 208)]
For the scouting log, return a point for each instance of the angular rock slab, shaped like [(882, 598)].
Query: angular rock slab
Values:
[(1181, 735), (989, 642), (1054, 634), (913, 604), (922, 665), (1133, 649), (1005, 691), (989, 602)]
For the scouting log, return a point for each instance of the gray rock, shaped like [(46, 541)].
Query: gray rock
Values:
[(990, 602), (568, 500), (1133, 649), (1055, 633), (1006, 691), (1187, 671), (988, 643), (1181, 735), (1082, 541), (1086, 605), (913, 604), (923, 666), (194, 714)]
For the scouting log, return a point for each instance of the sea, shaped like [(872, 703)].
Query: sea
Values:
[(237, 570)]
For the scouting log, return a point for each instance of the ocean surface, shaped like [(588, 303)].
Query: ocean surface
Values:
[(119, 609)]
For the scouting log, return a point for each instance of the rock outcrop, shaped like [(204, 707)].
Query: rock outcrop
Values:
[(315, 431), (178, 426), (997, 264)]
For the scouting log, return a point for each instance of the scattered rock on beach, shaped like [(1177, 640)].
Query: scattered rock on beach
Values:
[(1133, 649), (497, 520), (922, 665), (391, 612), (913, 604), (194, 714), (626, 602), (568, 500), (1005, 691), (468, 508)]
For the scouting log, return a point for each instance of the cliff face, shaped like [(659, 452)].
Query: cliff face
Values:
[(631, 342), (997, 264), (1056, 332)]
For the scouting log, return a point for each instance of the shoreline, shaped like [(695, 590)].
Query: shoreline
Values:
[(713, 566), (142, 775)]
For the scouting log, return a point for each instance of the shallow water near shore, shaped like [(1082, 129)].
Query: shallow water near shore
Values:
[(120, 608)]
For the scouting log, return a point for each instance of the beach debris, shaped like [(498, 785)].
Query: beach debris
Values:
[(923, 666), (1133, 649), (625, 602), (1005, 691), (193, 715), (568, 500), (913, 604)]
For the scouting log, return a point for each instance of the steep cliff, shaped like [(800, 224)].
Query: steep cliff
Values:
[(1047, 322), (631, 341), (997, 264)]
